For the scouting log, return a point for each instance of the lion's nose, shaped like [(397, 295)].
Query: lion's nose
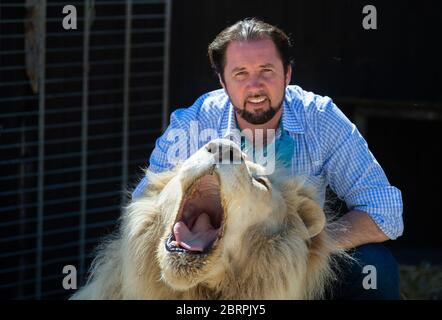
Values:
[(225, 151)]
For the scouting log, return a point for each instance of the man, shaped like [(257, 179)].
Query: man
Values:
[(253, 63)]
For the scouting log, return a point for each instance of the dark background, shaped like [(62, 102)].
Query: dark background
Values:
[(391, 77)]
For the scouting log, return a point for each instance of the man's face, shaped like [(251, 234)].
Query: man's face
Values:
[(254, 79)]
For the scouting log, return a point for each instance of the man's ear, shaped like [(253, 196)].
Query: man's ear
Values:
[(312, 215), (288, 76), (221, 81)]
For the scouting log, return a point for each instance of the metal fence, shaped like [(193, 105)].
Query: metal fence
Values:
[(80, 110)]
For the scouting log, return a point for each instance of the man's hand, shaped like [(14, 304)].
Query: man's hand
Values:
[(358, 229)]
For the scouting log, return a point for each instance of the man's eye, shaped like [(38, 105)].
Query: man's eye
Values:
[(240, 74), (267, 70)]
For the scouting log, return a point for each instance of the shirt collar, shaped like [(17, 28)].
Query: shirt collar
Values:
[(291, 116)]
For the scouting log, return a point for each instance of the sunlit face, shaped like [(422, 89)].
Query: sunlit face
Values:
[(254, 79)]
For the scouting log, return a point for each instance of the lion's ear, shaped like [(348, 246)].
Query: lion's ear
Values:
[(312, 215)]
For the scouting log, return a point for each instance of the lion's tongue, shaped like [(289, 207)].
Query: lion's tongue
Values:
[(197, 239)]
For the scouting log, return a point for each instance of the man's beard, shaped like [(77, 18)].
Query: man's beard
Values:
[(258, 117)]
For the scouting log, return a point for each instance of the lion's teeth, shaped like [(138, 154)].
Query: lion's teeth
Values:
[(174, 243)]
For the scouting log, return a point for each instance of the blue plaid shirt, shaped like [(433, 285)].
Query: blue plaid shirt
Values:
[(328, 150)]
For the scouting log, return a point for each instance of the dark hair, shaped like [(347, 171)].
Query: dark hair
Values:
[(249, 29)]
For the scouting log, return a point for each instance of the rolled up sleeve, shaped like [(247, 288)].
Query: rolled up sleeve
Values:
[(354, 174), (161, 155)]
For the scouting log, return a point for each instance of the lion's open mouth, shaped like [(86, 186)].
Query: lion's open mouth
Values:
[(199, 219)]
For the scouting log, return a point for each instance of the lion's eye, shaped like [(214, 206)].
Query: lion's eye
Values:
[(262, 181)]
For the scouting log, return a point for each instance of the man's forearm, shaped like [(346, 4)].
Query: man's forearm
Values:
[(358, 229)]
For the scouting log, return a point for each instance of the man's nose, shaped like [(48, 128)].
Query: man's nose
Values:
[(225, 151), (255, 82)]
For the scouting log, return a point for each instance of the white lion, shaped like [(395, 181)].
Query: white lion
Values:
[(209, 230)]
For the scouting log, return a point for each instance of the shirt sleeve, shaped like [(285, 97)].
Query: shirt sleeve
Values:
[(170, 148), (353, 172)]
